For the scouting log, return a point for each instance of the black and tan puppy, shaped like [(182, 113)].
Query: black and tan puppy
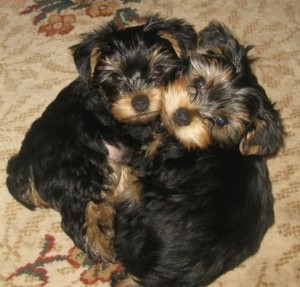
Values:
[(206, 200), (107, 112)]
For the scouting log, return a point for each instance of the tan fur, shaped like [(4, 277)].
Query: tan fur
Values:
[(153, 146), (174, 97), (196, 134), (250, 150), (99, 230), (124, 185), (34, 198), (112, 64), (213, 73), (201, 129), (94, 59), (123, 111), (172, 40), (157, 56), (122, 108), (245, 146), (99, 227), (233, 130)]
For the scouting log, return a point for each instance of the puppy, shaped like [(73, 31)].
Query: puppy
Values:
[(206, 200), (66, 160)]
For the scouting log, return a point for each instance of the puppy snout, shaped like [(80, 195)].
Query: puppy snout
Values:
[(182, 117), (140, 103)]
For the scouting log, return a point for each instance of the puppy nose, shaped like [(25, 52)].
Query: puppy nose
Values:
[(140, 103), (182, 117)]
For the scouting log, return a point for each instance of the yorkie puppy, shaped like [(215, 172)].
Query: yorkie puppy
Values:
[(67, 159), (205, 201)]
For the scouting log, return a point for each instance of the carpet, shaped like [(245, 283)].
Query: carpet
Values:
[(35, 64)]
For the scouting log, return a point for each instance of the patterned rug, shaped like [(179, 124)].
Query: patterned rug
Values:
[(35, 65)]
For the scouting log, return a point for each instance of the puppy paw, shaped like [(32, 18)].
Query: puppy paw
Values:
[(99, 231)]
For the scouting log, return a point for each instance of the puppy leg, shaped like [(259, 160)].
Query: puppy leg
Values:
[(99, 222), (20, 183), (33, 197), (99, 230)]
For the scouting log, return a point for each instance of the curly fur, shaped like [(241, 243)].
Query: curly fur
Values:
[(112, 106), (205, 206)]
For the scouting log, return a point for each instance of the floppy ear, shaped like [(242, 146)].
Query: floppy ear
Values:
[(265, 134), (86, 53), (84, 57), (217, 40), (181, 35)]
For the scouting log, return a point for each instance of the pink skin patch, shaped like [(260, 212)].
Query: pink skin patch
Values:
[(120, 153)]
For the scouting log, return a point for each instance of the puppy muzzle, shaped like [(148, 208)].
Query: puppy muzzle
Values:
[(140, 103), (182, 117)]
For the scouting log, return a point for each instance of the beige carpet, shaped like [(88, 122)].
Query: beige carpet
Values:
[(35, 65)]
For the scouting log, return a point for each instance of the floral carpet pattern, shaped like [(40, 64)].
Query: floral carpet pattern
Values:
[(35, 65), (61, 15), (100, 272)]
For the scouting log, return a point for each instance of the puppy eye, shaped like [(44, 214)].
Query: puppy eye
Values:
[(116, 77), (199, 83), (221, 122), (158, 71)]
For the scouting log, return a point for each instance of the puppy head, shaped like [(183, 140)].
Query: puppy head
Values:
[(199, 109), (220, 101), (130, 67)]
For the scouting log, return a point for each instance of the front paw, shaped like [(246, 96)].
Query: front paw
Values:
[(99, 231)]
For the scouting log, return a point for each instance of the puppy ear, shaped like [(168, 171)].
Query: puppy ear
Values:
[(180, 34), (265, 134), (217, 40), (86, 53)]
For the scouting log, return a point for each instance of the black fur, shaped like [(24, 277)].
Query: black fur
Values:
[(201, 214), (64, 154), (216, 40), (204, 211)]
